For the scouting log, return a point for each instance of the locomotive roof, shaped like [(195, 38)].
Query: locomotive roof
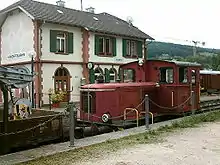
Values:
[(118, 85), (209, 72), (178, 63), (184, 63)]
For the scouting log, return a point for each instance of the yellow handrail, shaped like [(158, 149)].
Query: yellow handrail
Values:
[(131, 109), (152, 116)]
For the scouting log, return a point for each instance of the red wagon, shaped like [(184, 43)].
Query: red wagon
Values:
[(210, 81)]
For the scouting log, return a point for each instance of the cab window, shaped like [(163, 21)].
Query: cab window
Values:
[(193, 77), (129, 75), (183, 75), (166, 75)]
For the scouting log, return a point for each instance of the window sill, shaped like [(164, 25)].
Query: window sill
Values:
[(61, 53), (105, 55), (132, 57)]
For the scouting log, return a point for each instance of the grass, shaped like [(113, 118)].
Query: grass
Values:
[(111, 146)]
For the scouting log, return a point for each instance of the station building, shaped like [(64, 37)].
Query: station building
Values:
[(70, 47)]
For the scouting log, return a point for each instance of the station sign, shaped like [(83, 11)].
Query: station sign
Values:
[(17, 55)]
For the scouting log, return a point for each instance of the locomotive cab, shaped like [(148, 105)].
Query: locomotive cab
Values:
[(179, 84), (179, 89)]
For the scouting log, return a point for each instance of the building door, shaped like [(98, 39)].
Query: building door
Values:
[(62, 82)]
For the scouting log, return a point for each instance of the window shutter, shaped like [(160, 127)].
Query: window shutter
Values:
[(96, 44), (91, 76), (70, 42), (114, 46), (107, 75), (145, 53), (120, 74), (53, 40), (124, 46), (139, 49)]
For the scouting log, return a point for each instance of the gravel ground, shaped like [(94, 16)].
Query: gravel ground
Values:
[(194, 146)]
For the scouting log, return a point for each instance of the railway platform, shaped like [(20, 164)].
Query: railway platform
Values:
[(51, 149), (209, 97)]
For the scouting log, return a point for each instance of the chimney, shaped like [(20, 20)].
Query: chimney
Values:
[(90, 9), (61, 3)]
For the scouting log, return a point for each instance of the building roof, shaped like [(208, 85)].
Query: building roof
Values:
[(102, 22)]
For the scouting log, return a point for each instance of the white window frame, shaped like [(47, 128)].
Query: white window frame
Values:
[(110, 45), (62, 37), (131, 48), (103, 44), (128, 47), (112, 74)]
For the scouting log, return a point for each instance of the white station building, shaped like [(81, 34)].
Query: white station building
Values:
[(70, 47)]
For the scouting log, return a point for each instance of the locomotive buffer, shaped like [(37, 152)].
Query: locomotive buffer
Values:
[(11, 77)]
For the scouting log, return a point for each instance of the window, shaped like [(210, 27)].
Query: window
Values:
[(129, 75), (183, 74), (105, 46), (193, 77), (88, 102), (99, 77), (166, 75), (112, 75), (101, 45), (132, 49), (61, 42)]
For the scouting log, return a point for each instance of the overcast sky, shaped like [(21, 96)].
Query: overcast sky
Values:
[(165, 20)]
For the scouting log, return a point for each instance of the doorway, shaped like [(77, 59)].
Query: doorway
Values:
[(62, 82)]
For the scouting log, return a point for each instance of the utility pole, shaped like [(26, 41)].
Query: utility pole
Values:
[(195, 44), (81, 5)]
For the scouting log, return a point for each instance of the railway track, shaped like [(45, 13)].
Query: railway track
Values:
[(206, 106)]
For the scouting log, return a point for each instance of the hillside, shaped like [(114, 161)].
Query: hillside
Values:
[(157, 49)]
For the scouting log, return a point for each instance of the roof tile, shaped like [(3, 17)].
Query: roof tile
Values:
[(106, 23)]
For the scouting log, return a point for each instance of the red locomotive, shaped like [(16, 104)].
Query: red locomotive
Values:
[(173, 88)]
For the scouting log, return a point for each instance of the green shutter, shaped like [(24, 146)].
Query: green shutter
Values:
[(139, 49), (91, 76), (70, 42), (114, 46), (124, 45), (120, 74), (96, 44), (107, 75), (145, 53), (53, 40)]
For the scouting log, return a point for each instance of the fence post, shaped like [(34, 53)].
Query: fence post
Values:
[(5, 145), (72, 124), (50, 101), (193, 102), (147, 111)]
